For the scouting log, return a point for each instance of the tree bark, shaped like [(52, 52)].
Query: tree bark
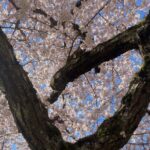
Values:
[(31, 117), (29, 113), (81, 62)]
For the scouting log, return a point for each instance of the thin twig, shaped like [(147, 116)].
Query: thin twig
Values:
[(98, 12)]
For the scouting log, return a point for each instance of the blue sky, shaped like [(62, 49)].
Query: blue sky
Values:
[(13, 147)]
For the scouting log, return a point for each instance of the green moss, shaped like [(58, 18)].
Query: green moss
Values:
[(110, 127)]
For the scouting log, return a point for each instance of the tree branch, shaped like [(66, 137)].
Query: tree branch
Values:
[(29, 113), (81, 62), (116, 131), (31, 117)]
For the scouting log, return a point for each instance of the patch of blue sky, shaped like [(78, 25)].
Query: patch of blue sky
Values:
[(8, 29), (72, 103), (19, 139), (112, 105), (97, 103), (50, 111), (36, 39), (80, 114), (42, 86), (4, 6), (118, 80), (108, 74), (139, 2), (77, 134), (145, 138), (119, 5), (70, 129), (32, 68), (97, 123), (13, 147), (58, 104), (101, 119), (92, 82), (24, 58), (142, 13), (136, 62), (88, 99), (87, 133)]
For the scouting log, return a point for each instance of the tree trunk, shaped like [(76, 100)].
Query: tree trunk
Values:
[(31, 117), (29, 113)]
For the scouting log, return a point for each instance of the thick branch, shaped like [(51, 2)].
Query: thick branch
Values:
[(31, 116), (29, 113), (81, 62), (116, 131)]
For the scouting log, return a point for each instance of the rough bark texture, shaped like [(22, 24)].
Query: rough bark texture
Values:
[(31, 116), (115, 132), (80, 62), (29, 113)]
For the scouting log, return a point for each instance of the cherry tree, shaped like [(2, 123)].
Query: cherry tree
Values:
[(67, 74)]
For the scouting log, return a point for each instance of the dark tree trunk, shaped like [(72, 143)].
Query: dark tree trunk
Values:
[(29, 113), (31, 117)]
